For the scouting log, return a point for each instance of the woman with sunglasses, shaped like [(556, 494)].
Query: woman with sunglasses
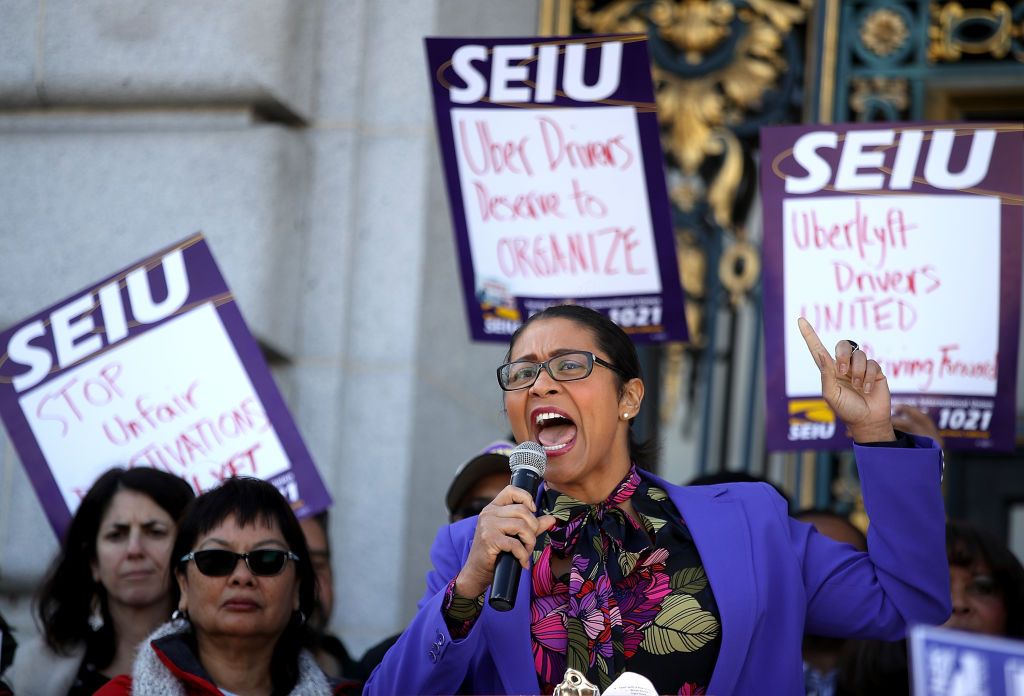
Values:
[(702, 590), (243, 584), (109, 586)]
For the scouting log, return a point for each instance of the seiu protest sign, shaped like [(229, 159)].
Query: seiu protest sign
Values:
[(956, 663), (555, 181), (906, 239), (152, 366)]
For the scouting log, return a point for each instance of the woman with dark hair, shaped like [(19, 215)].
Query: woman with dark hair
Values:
[(109, 586), (244, 585), (702, 590), (986, 580), (987, 589)]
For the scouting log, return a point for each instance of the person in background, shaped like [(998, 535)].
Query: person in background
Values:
[(108, 587), (834, 526), (873, 668), (243, 587), (821, 654), (986, 581), (478, 481), (987, 590), (330, 652), (328, 649), (699, 589), (916, 422)]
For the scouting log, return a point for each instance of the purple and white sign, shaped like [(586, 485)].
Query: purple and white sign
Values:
[(945, 662), (554, 171), (152, 366), (907, 239)]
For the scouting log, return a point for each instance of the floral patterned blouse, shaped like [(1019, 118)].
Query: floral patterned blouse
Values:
[(636, 597)]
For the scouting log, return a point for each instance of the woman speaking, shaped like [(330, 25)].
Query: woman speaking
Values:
[(704, 589)]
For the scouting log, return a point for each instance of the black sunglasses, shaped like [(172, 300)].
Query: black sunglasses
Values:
[(220, 562)]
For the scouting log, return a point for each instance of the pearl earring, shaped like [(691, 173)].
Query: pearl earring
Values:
[(625, 416)]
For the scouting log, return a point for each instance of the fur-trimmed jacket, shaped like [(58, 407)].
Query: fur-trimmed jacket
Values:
[(168, 667)]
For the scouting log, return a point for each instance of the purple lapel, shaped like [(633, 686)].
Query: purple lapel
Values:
[(512, 655), (719, 528)]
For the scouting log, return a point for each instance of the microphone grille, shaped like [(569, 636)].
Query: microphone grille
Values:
[(530, 455)]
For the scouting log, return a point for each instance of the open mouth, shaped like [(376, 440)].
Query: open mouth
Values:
[(556, 432)]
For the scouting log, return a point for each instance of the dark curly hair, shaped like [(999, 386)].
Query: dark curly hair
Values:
[(621, 352), (65, 599), (250, 501)]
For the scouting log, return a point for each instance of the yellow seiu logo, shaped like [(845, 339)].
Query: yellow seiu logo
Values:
[(811, 419)]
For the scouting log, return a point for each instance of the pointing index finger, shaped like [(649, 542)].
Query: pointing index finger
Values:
[(818, 351)]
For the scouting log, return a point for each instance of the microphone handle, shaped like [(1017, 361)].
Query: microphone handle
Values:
[(507, 570)]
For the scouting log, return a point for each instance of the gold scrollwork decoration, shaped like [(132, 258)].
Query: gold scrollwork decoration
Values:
[(693, 276), (672, 367), (687, 193), (738, 270), (894, 91), (695, 28), (884, 32), (726, 56), (721, 191), (692, 264), (948, 44), (619, 17), (695, 110)]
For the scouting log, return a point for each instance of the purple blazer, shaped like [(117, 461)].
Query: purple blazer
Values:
[(773, 577)]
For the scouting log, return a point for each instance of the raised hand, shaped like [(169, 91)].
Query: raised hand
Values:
[(853, 386), (916, 422)]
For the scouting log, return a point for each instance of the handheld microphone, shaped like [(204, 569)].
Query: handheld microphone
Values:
[(527, 461)]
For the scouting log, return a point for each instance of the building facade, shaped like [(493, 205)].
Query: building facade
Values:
[(298, 137)]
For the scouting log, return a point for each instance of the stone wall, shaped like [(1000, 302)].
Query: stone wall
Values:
[(298, 136)]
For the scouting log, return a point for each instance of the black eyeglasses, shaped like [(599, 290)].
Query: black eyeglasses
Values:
[(220, 562), (566, 367)]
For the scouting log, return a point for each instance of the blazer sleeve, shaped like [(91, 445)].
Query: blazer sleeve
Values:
[(425, 659), (903, 579)]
